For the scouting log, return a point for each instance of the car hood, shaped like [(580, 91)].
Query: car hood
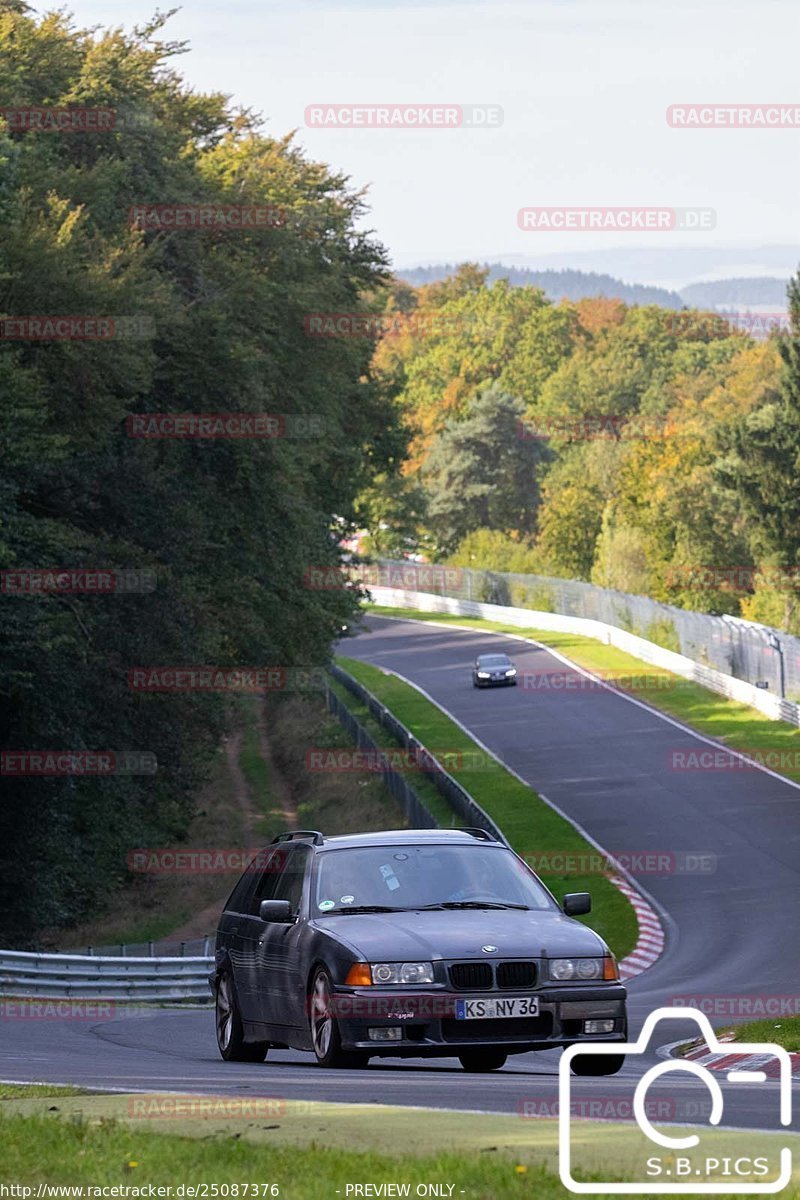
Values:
[(461, 933)]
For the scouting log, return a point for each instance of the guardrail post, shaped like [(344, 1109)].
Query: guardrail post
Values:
[(150, 949)]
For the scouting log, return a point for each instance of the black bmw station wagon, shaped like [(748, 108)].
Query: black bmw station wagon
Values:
[(409, 943)]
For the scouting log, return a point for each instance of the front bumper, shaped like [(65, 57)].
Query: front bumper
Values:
[(429, 1027)]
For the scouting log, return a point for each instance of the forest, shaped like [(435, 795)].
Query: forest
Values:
[(651, 451)]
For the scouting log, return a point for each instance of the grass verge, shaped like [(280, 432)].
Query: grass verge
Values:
[(530, 825), (735, 725), (782, 1031), (20, 1091), (308, 1149)]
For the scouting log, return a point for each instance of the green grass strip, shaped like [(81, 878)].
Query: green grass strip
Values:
[(258, 774), (783, 1031), (531, 826), (299, 1150)]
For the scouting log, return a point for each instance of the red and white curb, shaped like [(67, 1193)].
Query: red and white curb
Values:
[(650, 943), (715, 1060)]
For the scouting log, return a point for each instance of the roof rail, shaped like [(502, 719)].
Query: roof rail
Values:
[(481, 834), (300, 834)]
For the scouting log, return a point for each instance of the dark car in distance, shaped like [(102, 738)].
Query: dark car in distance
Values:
[(493, 670), (409, 943)]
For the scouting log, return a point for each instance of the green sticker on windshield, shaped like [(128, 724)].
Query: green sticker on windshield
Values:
[(324, 905)]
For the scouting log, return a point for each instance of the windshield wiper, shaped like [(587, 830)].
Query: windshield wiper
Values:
[(364, 908), (472, 904)]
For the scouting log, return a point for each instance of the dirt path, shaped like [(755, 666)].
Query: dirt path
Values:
[(206, 920), (283, 795)]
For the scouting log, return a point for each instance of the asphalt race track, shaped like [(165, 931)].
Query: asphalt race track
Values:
[(604, 761)]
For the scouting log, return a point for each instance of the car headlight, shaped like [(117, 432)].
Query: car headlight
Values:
[(576, 968), (407, 972), (483, 674), (513, 671)]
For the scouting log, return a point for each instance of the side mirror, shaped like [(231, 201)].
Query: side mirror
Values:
[(577, 904), (275, 910)]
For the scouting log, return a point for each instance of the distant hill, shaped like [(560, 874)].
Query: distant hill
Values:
[(666, 266), (557, 285), (761, 290)]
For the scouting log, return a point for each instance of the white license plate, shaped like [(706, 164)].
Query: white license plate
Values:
[(496, 1006)]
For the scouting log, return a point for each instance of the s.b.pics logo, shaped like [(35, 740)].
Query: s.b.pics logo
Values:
[(651, 1157)]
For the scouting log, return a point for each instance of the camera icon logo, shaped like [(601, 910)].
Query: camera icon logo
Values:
[(683, 1173)]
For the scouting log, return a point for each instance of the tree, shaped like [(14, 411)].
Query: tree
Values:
[(481, 472), (762, 464), (229, 528)]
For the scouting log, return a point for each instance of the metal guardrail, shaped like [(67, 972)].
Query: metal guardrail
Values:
[(199, 947), (91, 977), (457, 796)]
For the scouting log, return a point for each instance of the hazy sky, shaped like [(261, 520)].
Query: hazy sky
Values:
[(584, 85)]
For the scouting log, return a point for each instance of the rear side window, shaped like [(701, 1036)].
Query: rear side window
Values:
[(241, 898), (289, 885), (268, 879)]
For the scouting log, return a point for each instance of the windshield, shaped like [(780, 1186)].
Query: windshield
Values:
[(404, 877), (494, 660)]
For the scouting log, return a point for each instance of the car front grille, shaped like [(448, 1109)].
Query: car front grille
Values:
[(516, 975), (486, 976), (471, 976)]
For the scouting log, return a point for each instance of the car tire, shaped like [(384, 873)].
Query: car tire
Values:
[(326, 1040), (597, 1064), (481, 1061), (230, 1031)]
